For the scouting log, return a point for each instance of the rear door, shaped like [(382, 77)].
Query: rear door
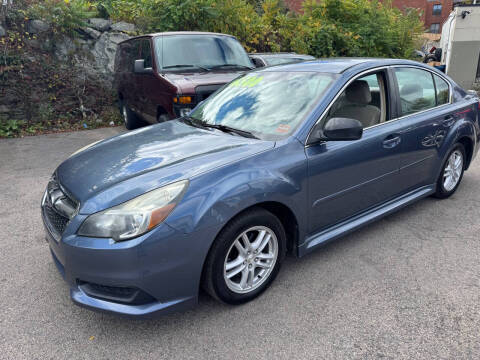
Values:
[(424, 105)]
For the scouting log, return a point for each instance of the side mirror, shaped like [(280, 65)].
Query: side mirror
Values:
[(139, 67), (340, 129)]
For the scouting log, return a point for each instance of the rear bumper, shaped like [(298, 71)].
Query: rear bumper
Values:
[(165, 264)]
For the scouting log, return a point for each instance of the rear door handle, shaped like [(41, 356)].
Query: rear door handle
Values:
[(391, 141), (448, 121)]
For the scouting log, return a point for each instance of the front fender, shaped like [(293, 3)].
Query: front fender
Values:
[(277, 175)]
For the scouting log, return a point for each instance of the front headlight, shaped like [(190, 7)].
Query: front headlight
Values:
[(134, 217)]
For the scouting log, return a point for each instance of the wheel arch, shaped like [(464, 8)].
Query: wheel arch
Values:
[(467, 143), (286, 216), (463, 133), (161, 110)]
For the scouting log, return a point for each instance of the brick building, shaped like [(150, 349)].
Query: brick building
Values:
[(434, 12)]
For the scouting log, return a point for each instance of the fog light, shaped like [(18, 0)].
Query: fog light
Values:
[(185, 111)]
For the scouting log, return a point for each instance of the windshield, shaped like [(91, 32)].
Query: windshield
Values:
[(270, 105), (200, 51)]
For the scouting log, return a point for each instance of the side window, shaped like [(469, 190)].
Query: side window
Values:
[(416, 89), (134, 54), (364, 100), (443, 92), (124, 56), (257, 62), (147, 53)]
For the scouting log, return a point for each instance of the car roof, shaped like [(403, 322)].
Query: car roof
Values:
[(173, 33), (338, 65), (281, 54)]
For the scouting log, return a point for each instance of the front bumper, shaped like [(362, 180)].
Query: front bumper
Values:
[(164, 263)]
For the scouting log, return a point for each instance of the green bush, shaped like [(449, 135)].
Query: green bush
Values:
[(9, 128), (325, 28), (359, 28)]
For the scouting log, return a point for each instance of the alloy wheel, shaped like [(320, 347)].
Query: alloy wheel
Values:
[(250, 259), (453, 170)]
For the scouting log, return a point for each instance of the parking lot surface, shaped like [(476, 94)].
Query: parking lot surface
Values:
[(407, 286)]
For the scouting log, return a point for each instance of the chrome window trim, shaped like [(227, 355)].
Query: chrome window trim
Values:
[(450, 97)]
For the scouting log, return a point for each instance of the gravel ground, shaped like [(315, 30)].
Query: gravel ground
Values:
[(404, 287)]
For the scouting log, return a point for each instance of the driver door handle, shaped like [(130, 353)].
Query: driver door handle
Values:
[(391, 141)]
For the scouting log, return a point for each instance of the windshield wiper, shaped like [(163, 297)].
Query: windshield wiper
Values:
[(203, 124), (231, 65), (193, 122), (185, 66), (226, 128)]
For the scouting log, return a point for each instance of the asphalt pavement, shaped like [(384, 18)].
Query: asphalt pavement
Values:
[(406, 287)]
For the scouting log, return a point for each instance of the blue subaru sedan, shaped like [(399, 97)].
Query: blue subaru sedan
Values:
[(280, 160)]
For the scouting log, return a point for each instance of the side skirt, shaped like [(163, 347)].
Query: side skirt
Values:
[(367, 217)]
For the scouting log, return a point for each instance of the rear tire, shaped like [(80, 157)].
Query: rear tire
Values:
[(452, 172), (129, 117), (245, 257)]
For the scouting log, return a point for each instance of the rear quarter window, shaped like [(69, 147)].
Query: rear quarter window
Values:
[(442, 89)]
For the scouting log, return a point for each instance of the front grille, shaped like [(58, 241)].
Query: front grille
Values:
[(204, 91), (57, 222), (57, 208)]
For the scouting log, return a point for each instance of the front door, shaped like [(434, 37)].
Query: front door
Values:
[(347, 177)]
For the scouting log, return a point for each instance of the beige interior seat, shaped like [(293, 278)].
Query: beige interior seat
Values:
[(358, 107)]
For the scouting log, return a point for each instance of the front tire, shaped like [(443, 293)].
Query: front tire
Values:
[(129, 117), (452, 172), (245, 258)]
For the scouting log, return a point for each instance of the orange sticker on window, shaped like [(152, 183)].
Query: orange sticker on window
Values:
[(283, 128)]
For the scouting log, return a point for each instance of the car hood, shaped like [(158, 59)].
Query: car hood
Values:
[(187, 82), (120, 168)]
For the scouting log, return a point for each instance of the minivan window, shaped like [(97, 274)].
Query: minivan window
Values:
[(269, 105), (133, 53), (147, 53), (416, 89), (129, 52), (179, 52)]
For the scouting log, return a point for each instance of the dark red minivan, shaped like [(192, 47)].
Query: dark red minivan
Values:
[(163, 76)]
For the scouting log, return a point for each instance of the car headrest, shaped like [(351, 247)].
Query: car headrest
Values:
[(358, 92), (411, 89)]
